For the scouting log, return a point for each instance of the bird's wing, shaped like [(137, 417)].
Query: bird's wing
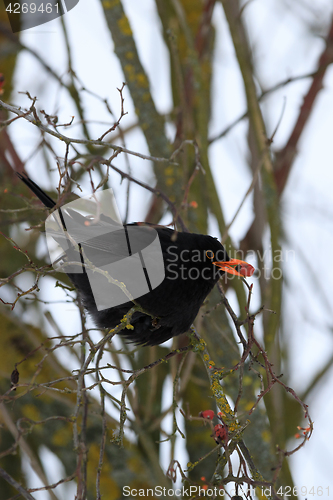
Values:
[(116, 240)]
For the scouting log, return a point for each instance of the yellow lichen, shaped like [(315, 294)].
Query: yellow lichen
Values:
[(233, 426), (141, 80), (124, 26), (146, 97), (109, 4), (168, 171), (129, 71), (266, 436)]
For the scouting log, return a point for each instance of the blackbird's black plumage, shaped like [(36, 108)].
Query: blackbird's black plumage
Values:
[(175, 303)]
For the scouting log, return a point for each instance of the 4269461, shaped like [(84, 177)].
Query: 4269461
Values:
[(32, 8), (298, 491)]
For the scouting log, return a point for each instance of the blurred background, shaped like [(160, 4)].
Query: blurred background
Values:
[(239, 95)]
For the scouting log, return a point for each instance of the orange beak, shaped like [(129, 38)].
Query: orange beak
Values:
[(237, 267)]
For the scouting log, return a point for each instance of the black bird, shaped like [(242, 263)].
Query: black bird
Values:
[(193, 263)]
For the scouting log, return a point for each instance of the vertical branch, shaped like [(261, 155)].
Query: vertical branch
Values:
[(81, 408), (151, 123), (285, 157), (273, 291), (103, 439)]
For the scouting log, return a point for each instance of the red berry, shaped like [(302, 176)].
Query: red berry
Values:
[(207, 414), (220, 433)]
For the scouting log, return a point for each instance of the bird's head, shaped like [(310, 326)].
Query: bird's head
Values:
[(220, 259)]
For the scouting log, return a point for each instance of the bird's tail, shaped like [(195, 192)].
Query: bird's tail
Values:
[(44, 198)]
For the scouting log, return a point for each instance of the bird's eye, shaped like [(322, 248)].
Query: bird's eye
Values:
[(210, 254)]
